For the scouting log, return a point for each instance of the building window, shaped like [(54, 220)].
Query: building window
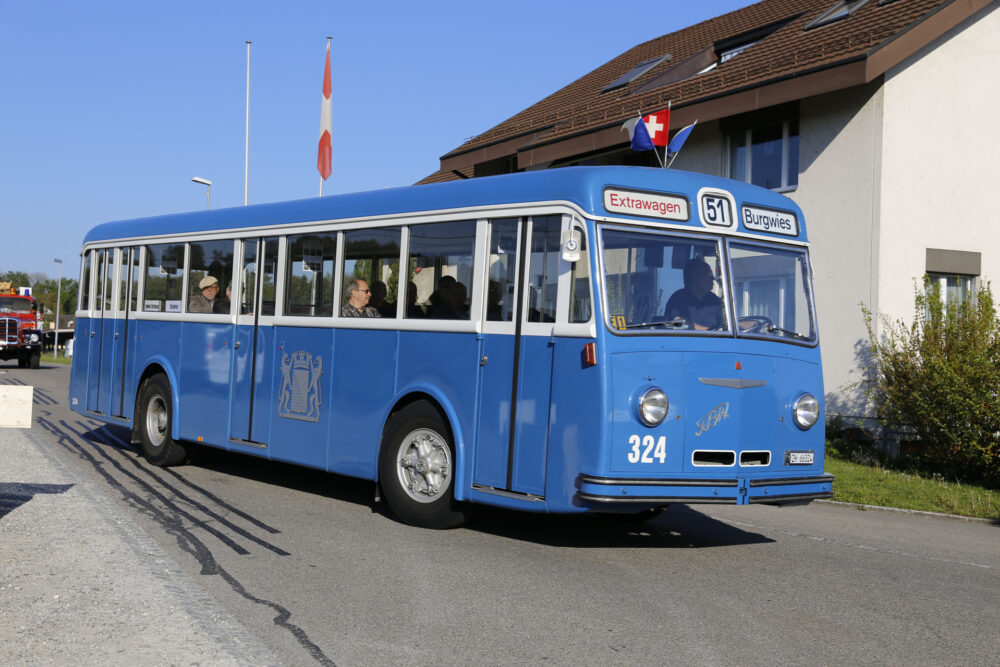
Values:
[(839, 11), (954, 288), (767, 156), (955, 273), (634, 73)]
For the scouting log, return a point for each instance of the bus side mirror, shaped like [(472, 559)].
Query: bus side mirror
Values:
[(571, 242)]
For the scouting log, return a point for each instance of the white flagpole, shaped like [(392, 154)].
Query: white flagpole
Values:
[(324, 110), (246, 158), (663, 163)]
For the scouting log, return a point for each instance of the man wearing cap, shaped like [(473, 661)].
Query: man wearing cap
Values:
[(207, 301)]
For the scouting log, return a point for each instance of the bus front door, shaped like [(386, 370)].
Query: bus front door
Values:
[(516, 366), (253, 344), (128, 280), (99, 353)]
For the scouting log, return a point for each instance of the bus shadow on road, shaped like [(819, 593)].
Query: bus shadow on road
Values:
[(678, 527)]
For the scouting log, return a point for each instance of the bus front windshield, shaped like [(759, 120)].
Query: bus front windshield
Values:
[(666, 282)]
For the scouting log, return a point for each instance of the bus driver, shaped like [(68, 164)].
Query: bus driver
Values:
[(695, 304)]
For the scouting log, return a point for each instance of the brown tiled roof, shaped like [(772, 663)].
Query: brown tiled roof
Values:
[(790, 51)]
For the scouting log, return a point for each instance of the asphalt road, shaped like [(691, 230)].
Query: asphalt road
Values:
[(321, 574)]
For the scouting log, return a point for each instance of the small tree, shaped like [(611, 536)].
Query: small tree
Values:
[(940, 377)]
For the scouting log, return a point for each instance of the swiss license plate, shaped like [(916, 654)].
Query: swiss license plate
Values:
[(800, 458)]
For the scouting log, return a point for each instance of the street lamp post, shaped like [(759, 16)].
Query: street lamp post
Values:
[(208, 190), (55, 348)]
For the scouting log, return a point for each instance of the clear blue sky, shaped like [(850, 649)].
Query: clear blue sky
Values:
[(109, 108)]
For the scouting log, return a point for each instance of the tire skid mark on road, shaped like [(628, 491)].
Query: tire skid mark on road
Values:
[(38, 396), (761, 528), (122, 447), (154, 491), (76, 443)]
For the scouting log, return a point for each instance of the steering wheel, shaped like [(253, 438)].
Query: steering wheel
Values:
[(757, 323)]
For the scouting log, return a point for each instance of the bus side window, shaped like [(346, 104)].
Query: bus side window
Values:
[(211, 262), (543, 268), (372, 255), (502, 279), (84, 300), (164, 278), (579, 285), (309, 274), (440, 269)]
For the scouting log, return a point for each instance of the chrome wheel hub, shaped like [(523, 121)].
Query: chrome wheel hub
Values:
[(424, 467), (156, 420)]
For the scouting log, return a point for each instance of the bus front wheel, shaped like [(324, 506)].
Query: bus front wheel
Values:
[(417, 468), (154, 424)]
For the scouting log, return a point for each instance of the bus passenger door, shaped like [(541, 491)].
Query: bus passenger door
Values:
[(253, 344), (99, 352), (516, 378), (128, 278)]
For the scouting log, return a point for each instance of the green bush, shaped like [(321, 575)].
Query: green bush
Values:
[(939, 380)]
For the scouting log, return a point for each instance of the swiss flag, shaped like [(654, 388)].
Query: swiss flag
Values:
[(325, 157), (658, 126)]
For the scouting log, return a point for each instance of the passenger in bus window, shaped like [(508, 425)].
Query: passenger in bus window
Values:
[(356, 298), (208, 301), (695, 304), (378, 302), (412, 309)]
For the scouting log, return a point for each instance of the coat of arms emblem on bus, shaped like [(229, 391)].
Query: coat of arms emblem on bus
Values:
[(299, 396)]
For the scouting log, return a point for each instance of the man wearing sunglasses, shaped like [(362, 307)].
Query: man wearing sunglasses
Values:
[(356, 298)]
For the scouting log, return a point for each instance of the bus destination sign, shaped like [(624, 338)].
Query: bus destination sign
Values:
[(756, 219), (667, 207)]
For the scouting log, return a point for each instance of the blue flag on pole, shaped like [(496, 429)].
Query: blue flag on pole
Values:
[(638, 133), (675, 145)]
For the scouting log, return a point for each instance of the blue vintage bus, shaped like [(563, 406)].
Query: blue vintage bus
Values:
[(611, 339)]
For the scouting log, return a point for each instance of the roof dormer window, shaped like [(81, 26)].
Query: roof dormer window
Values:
[(634, 73), (839, 11)]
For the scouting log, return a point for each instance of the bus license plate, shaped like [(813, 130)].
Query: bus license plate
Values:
[(800, 458)]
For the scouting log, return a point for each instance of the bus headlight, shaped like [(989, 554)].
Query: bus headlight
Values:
[(806, 411), (653, 406), (33, 337)]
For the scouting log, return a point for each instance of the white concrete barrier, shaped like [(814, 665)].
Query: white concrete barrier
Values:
[(15, 406)]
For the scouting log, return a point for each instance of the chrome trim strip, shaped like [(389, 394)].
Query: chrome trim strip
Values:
[(508, 494), (824, 479), (660, 500), (732, 383), (621, 481), (247, 443)]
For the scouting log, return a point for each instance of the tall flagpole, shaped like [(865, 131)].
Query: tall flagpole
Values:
[(246, 158)]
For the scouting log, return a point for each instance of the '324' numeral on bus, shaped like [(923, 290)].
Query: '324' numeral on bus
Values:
[(647, 449)]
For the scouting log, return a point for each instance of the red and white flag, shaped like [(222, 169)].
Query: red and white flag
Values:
[(325, 157), (658, 126)]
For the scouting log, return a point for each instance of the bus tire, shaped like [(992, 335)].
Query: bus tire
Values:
[(154, 422), (417, 466), (35, 360)]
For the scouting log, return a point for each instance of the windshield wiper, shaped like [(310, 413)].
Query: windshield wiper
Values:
[(796, 334), (673, 324)]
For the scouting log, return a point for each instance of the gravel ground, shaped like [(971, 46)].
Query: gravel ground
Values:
[(80, 583)]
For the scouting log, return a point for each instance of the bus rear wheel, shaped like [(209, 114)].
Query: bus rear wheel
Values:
[(417, 468), (154, 421)]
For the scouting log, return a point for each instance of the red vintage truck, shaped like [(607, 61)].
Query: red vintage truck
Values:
[(20, 333)]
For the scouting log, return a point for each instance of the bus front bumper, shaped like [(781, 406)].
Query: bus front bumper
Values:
[(605, 491)]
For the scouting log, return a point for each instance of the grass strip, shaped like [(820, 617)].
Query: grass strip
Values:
[(61, 359), (875, 485)]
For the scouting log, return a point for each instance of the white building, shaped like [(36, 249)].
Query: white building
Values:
[(875, 116)]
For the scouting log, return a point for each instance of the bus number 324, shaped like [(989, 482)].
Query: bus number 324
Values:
[(646, 449)]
